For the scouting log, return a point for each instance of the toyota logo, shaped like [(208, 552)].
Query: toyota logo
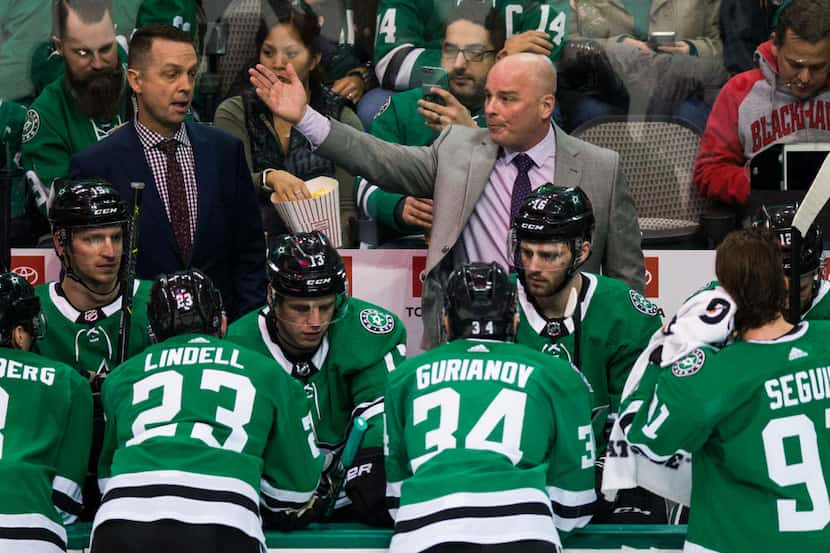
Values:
[(648, 277), (29, 273)]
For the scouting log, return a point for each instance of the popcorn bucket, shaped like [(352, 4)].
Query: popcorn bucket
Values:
[(321, 212)]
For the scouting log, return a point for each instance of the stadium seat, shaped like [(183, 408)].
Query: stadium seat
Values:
[(657, 156), (242, 19)]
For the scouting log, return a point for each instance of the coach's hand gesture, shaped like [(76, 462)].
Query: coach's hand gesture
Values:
[(284, 95)]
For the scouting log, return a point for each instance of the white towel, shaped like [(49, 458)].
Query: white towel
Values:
[(706, 318)]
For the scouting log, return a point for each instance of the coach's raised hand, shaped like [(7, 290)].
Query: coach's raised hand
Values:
[(283, 93)]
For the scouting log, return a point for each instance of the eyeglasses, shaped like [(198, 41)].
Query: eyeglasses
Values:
[(471, 53)]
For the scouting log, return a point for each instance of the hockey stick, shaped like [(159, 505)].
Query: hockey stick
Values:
[(813, 202), (128, 281), (344, 461)]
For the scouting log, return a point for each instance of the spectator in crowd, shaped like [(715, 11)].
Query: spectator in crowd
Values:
[(474, 35), (744, 25), (201, 486), (23, 25), (21, 229), (624, 29), (339, 347), (786, 99), (83, 106), (470, 182), (594, 322), (752, 437), (279, 157), (199, 209), (46, 408), (410, 32), (183, 14), (467, 491)]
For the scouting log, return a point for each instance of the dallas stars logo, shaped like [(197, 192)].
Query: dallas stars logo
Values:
[(643, 305), (690, 364), (376, 322), (31, 126)]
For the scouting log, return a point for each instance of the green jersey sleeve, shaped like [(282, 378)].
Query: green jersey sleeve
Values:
[(406, 39), (73, 456), (548, 16)]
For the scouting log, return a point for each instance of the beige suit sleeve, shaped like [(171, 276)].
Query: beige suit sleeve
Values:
[(623, 251)]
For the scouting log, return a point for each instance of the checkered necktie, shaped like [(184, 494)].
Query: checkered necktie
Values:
[(179, 211), (521, 186)]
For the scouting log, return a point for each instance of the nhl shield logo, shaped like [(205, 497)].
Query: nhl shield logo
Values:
[(690, 364), (643, 305), (376, 322)]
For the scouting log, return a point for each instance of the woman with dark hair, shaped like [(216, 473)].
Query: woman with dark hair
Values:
[(276, 152)]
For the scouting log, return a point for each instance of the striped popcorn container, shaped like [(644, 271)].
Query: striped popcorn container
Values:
[(321, 212)]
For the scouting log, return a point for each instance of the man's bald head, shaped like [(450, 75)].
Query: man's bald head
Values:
[(537, 67)]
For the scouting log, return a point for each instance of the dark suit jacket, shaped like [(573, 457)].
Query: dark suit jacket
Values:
[(228, 246), (454, 171)]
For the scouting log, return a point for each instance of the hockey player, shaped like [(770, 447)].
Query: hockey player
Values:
[(45, 430), (489, 443), (340, 348), (88, 221), (779, 219), (199, 433), (611, 323), (753, 416)]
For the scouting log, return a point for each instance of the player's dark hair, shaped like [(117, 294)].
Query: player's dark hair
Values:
[(301, 17), (88, 11), (749, 266), (481, 12), (807, 19), (142, 42)]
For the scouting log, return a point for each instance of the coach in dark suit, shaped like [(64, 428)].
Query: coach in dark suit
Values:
[(198, 208), (478, 177)]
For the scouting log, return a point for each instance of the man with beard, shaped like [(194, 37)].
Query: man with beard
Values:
[(597, 323), (474, 33), (82, 107)]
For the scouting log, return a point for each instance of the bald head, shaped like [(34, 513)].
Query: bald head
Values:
[(538, 69)]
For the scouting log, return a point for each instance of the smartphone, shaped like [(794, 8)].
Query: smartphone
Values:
[(433, 77), (661, 38)]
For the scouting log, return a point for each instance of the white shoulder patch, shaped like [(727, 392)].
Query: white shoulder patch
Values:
[(376, 322), (31, 126), (690, 364), (384, 107), (642, 304)]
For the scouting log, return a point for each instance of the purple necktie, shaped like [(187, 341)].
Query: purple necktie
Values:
[(521, 186), (179, 211)]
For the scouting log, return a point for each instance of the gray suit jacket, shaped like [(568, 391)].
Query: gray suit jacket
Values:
[(454, 171)]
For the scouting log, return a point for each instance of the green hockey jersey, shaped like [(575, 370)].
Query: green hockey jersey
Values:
[(409, 33), (364, 344), (197, 428), (616, 325), (754, 416), (55, 129), (45, 436), (88, 340), (398, 122), (487, 442)]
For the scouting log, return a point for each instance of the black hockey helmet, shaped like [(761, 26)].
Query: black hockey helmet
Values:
[(480, 302), (553, 214), (19, 306), (305, 264), (86, 203), (779, 219), (184, 302)]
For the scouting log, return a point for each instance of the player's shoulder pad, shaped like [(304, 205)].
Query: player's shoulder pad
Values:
[(246, 324), (616, 292)]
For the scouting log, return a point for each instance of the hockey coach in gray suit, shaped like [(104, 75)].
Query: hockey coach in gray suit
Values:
[(478, 178)]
